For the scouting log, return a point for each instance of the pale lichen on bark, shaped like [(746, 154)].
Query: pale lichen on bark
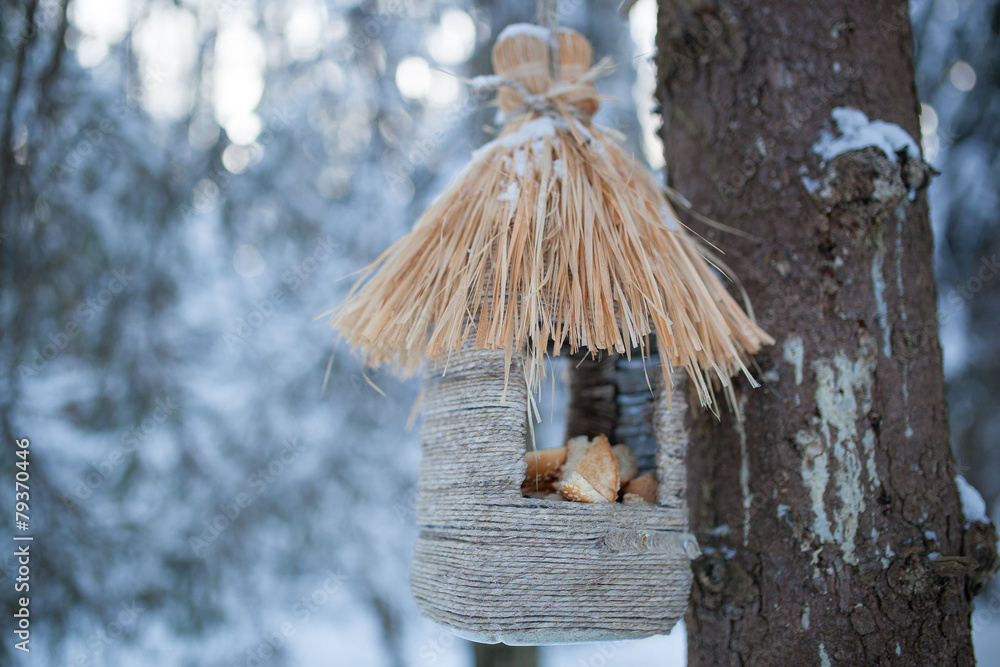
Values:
[(744, 473), (843, 397)]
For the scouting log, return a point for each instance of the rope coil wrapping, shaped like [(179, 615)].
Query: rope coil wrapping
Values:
[(494, 566)]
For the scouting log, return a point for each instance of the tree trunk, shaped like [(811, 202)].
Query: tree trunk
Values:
[(830, 518)]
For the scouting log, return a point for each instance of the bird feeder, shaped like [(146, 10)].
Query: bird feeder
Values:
[(552, 241)]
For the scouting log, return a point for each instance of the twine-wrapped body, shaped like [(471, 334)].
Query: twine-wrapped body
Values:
[(494, 566)]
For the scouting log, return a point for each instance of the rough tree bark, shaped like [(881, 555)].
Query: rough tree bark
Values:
[(824, 514)]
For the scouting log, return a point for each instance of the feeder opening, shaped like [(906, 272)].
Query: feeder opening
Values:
[(604, 407)]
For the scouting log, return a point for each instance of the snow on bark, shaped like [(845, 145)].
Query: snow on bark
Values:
[(973, 505), (856, 131)]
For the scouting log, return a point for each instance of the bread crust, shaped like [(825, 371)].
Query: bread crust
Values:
[(543, 469), (598, 466), (627, 465), (587, 470), (643, 486), (576, 487)]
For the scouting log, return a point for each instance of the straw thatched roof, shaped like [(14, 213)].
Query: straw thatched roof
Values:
[(553, 233)]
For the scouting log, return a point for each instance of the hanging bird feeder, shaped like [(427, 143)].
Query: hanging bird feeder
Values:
[(552, 241)]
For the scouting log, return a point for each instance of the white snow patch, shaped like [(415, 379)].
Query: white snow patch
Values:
[(537, 147), (533, 136), (485, 82), (811, 184), (856, 131), (824, 659), (559, 168), (973, 505), (511, 194), (533, 130), (805, 617), (520, 163), (530, 29)]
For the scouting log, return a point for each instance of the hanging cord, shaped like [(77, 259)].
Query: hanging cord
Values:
[(548, 18)]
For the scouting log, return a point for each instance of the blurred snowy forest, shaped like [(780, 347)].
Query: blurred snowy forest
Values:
[(184, 186)]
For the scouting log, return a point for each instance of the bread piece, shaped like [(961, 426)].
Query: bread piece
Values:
[(632, 499), (543, 468), (543, 495), (598, 466), (644, 486), (575, 487), (627, 466), (576, 449)]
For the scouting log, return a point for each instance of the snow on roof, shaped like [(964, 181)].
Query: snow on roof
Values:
[(515, 29), (527, 133)]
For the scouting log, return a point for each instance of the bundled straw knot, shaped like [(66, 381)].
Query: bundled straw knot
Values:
[(522, 61)]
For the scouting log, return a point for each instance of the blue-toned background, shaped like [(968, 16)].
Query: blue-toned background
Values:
[(184, 186)]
